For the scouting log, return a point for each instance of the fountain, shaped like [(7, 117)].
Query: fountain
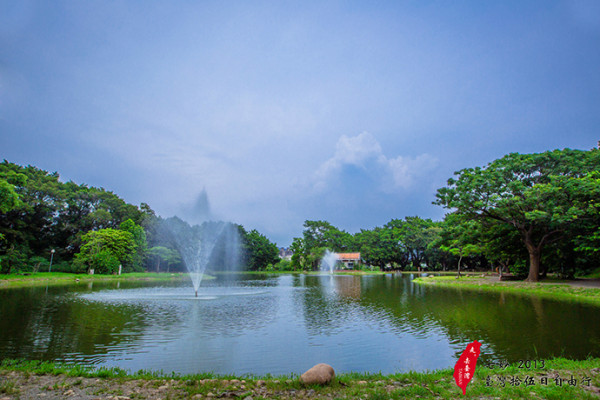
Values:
[(196, 245), (328, 261)]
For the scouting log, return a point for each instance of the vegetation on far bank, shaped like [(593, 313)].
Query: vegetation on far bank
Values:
[(530, 214), (558, 378), (43, 278), (554, 289)]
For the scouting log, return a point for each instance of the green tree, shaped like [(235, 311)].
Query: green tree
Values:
[(101, 248), (379, 246), (260, 251), (458, 238), (160, 254), (9, 199), (539, 195), (141, 245)]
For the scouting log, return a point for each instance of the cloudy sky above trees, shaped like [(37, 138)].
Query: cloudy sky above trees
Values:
[(352, 112)]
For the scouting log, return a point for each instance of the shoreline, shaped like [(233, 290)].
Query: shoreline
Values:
[(34, 379), (556, 290), (62, 278)]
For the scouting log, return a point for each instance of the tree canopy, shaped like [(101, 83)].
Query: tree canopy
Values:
[(539, 195)]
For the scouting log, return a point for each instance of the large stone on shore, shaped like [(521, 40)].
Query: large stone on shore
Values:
[(320, 374)]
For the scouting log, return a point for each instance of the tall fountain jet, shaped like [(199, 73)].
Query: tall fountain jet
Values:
[(196, 245), (328, 261)]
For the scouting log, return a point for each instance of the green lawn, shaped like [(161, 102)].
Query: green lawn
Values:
[(549, 289), (44, 278)]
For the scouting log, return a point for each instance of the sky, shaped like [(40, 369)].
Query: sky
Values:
[(268, 114)]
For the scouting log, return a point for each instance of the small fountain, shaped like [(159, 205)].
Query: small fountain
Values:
[(328, 261), (197, 243)]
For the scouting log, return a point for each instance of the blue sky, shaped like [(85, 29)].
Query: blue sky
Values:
[(352, 112)]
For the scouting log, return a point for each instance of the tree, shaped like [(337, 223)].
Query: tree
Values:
[(163, 254), (9, 199), (260, 252), (50, 214), (105, 249), (539, 195), (458, 238), (379, 246), (139, 237)]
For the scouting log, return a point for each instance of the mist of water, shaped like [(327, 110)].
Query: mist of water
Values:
[(214, 245), (328, 261)]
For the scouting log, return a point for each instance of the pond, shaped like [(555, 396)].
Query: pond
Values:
[(261, 324)]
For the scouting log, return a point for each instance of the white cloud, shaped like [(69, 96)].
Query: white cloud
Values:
[(364, 153)]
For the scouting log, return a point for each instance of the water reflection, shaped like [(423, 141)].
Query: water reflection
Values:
[(281, 324)]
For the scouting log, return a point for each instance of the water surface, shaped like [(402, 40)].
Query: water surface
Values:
[(253, 324)]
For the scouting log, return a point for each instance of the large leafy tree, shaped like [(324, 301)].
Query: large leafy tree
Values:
[(105, 249), (161, 254), (317, 237), (260, 251), (539, 195), (9, 199), (377, 246), (51, 214), (141, 245)]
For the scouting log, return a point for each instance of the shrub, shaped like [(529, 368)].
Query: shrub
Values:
[(520, 269)]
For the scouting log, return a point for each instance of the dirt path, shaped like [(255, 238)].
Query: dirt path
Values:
[(19, 385)]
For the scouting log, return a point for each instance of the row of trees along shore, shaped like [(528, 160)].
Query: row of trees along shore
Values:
[(530, 214), (89, 228)]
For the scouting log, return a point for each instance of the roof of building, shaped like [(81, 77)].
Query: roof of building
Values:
[(348, 256)]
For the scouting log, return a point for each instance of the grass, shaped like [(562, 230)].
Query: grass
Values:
[(552, 289), (336, 272), (58, 278), (433, 384), (593, 275)]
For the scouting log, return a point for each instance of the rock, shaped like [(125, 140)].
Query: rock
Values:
[(69, 393), (362, 382), (163, 387), (320, 374), (260, 383)]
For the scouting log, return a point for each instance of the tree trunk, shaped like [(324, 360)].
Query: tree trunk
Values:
[(534, 263), (459, 260)]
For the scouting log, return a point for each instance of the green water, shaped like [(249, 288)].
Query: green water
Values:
[(253, 324)]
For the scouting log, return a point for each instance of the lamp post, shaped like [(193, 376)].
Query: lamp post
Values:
[(51, 258)]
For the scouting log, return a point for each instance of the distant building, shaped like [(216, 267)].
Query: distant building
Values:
[(285, 253), (350, 260)]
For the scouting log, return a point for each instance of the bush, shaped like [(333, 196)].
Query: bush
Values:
[(283, 265), (102, 262), (105, 263), (36, 264), (519, 269), (64, 266)]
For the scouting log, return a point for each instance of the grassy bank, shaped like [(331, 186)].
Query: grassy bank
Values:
[(61, 278), (557, 379), (337, 272), (551, 289)]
